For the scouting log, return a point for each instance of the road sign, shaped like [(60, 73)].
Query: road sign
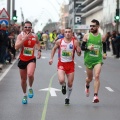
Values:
[(77, 19), (4, 14), (4, 21)]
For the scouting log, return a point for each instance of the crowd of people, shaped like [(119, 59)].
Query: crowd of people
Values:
[(7, 43), (113, 40), (48, 38)]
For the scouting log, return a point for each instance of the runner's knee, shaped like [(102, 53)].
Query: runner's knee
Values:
[(61, 81), (97, 76), (70, 85), (30, 75), (89, 78)]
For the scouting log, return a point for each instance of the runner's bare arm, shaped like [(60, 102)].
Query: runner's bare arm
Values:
[(104, 37), (85, 37), (37, 43), (57, 44), (38, 48), (77, 47), (19, 42), (104, 46)]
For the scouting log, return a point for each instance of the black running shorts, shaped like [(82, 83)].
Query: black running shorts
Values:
[(23, 64)]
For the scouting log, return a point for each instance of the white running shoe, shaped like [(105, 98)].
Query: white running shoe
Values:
[(95, 99)]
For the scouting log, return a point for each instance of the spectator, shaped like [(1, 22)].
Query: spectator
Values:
[(3, 42), (108, 41), (117, 45), (11, 44), (113, 42)]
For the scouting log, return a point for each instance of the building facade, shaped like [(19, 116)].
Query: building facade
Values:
[(102, 10), (64, 13), (75, 14)]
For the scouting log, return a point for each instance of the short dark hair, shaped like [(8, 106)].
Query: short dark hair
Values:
[(28, 22), (95, 21), (68, 28)]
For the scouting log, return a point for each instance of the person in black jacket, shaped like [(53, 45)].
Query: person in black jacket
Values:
[(3, 43), (117, 45), (108, 41), (113, 36)]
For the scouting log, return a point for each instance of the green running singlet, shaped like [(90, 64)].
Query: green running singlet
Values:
[(91, 58)]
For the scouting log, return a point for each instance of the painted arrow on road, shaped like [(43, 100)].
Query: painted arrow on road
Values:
[(51, 90)]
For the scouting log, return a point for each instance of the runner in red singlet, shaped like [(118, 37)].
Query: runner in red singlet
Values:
[(27, 41), (66, 50)]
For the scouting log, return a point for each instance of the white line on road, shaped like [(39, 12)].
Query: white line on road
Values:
[(85, 71), (109, 89), (80, 66), (43, 57)]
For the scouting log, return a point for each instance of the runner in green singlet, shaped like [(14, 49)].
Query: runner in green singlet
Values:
[(95, 51)]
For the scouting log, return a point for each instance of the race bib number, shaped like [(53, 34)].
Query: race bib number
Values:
[(94, 52), (66, 53), (28, 51)]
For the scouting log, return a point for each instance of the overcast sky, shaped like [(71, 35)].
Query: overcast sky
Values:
[(37, 9)]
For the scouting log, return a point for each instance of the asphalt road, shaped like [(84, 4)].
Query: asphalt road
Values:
[(48, 101)]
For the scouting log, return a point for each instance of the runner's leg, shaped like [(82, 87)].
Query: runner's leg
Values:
[(88, 80), (61, 78), (30, 72), (23, 74), (70, 78), (97, 70)]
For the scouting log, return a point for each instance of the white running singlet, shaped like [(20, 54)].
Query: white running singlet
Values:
[(66, 51)]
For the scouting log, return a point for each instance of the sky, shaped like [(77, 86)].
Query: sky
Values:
[(43, 10)]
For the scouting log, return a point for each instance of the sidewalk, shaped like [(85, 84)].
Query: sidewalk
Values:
[(109, 54)]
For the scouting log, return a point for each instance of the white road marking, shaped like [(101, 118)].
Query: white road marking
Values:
[(85, 71), (43, 57), (109, 89), (51, 90), (80, 66)]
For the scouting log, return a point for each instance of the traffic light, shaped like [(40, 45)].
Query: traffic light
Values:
[(14, 16), (117, 17)]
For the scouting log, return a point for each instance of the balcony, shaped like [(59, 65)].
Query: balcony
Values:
[(92, 11), (87, 2), (89, 5)]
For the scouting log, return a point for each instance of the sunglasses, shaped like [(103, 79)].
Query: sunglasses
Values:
[(92, 25), (67, 31), (27, 27)]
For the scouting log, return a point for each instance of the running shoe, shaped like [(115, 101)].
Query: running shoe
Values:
[(30, 94), (87, 91), (67, 101), (64, 90), (24, 100), (95, 99)]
